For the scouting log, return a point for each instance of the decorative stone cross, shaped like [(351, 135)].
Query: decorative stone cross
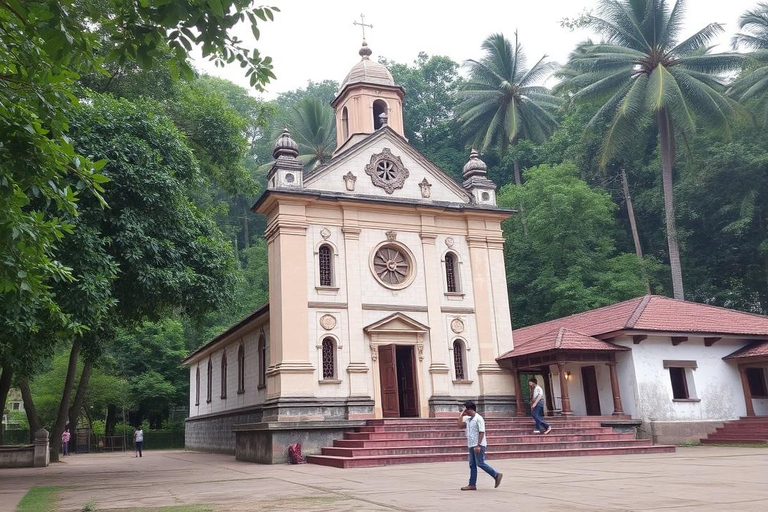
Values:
[(362, 24)]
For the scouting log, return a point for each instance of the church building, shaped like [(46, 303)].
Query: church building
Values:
[(387, 291)]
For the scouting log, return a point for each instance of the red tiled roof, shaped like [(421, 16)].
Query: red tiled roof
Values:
[(563, 339), (754, 349), (651, 313)]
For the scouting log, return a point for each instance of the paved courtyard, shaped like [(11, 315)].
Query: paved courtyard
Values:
[(700, 478)]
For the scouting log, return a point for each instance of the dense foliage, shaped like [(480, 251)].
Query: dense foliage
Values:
[(126, 237)]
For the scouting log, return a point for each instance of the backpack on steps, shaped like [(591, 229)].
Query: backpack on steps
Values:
[(294, 454)]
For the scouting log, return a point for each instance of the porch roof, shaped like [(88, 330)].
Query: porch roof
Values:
[(650, 313), (565, 340), (753, 350)]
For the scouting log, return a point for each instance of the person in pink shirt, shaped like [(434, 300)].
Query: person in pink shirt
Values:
[(65, 437)]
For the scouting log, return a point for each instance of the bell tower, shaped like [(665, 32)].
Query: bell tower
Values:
[(368, 100)]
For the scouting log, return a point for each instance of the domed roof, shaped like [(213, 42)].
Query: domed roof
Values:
[(475, 166), (368, 72)]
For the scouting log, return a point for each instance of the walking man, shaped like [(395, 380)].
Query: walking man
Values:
[(138, 440), (537, 408), (477, 443)]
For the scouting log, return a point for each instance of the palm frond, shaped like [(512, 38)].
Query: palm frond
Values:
[(698, 40)]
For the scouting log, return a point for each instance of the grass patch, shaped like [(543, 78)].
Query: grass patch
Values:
[(40, 498)]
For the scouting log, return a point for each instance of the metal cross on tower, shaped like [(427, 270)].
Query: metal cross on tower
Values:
[(362, 24)]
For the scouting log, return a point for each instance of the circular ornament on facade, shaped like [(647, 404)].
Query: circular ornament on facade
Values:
[(387, 171), (392, 264), (457, 326), (327, 322), (325, 233), (449, 242)]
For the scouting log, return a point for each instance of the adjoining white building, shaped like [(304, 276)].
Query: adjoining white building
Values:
[(682, 368)]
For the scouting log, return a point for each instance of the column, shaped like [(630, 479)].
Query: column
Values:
[(358, 370), (618, 410), (290, 372), (438, 341), (566, 400), (747, 391), (520, 408)]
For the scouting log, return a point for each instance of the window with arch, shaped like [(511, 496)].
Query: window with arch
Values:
[(197, 386), (224, 374), (241, 369), (458, 360), (209, 395), (262, 361), (379, 107), (344, 124), (329, 359), (325, 257), (452, 273)]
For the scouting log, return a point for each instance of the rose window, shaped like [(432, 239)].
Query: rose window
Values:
[(386, 171)]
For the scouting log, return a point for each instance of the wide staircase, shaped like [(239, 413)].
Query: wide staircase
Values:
[(751, 430), (404, 441)]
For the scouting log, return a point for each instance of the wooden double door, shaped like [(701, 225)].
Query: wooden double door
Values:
[(399, 390)]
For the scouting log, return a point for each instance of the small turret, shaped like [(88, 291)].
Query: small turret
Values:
[(287, 171), (476, 180)]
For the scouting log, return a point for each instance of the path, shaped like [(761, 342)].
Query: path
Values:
[(701, 479)]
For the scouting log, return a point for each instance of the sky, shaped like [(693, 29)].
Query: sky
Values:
[(316, 40)]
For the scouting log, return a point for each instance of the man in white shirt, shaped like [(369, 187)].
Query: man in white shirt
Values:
[(138, 440), (537, 408), (476, 442)]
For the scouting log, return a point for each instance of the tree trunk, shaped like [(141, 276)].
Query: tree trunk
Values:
[(246, 216), (109, 427), (518, 174), (63, 414), (5, 387), (82, 387), (633, 221), (666, 141), (29, 407)]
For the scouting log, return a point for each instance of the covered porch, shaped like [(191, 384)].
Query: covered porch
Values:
[(578, 374), (752, 361)]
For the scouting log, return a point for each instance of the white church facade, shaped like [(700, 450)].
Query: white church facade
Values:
[(387, 283)]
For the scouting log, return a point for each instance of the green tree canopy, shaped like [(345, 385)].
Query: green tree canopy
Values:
[(567, 263)]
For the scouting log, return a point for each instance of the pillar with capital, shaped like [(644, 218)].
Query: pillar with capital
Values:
[(747, 391), (618, 410), (564, 397)]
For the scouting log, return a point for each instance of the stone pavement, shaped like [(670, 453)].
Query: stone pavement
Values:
[(699, 478)]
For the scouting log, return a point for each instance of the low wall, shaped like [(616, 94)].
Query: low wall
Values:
[(677, 432), (22, 456), (213, 433), (267, 443), (28, 455)]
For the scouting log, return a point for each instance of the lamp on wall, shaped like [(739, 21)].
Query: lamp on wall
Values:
[(567, 375)]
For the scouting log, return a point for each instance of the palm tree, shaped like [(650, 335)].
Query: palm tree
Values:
[(313, 127), (501, 103), (754, 36), (642, 69)]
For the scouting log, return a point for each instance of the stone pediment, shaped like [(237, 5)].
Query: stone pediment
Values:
[(396, 323), (384, 164)]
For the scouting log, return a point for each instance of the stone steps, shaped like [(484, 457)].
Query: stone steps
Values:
[(492, 449), (404, 441), (741, 431), (532, 438), (386, 460)]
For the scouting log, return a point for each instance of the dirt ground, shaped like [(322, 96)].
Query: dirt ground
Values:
[(697, 478)]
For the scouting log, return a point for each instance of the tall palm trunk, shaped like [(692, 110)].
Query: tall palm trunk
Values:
[(63, 414), (29, 407), (633, 221), (666, 140), (518, 175), (5, 387)]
